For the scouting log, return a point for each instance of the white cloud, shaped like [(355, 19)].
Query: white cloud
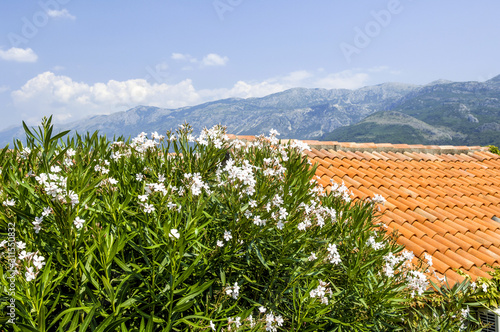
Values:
[(66, 99), (19, 55), (344, 80), (178, 56), (183, 57), (213, 59), (4, 88), (63, 13), (58, 68), (49, 93)]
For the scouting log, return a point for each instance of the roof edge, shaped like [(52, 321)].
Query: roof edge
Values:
[(379, 147)]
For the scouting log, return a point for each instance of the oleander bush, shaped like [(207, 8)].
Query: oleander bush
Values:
[(183, 233)]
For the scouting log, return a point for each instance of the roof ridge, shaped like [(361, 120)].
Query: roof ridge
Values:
[(379, 147)]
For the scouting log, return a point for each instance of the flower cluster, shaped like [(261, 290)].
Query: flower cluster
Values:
[(233, 291), (9, 202), (216, 136), (55, 186), (374, 244), (25, 152), (417, 282), (378, 199), (141, 143), (238, 177), (32, 262), (314, 211), (195, 184), (333, 255), (392, 261), (340, 190), (268, 322), (321, 292)]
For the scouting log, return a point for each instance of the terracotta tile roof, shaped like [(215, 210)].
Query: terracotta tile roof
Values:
[(440, 199)]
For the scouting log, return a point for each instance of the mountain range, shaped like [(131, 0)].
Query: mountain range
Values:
[(441, 112)]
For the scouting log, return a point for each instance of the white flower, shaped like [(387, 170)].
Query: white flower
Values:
[(139, 177), (55, 169), (273, 132), (321, 292), (171, 205), (465, 312), (38, 261), (42, 178), (46, 211), (30, 274), (301, 146), (23, 254), (148, 208), (25, 152), (70, 152), (485, 287), (161, 178), (428, 258), (37, 223), (280, 225), (378, 199), (258, 221), (220, 243), (196, 183), (112, 181), (407, 255), (333, 254), (279, 320), (277, 200), (212, 326), (312, 257), (78, 222), (227, 235), (236, 321), (143, 198), (174, 233), (234, 291), (283, 213), (21, 245), (73, 197), (9, 202), (417, 281), (375, 245)]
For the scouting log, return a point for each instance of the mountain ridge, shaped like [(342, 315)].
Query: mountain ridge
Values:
[(468, 112), (313, 113)]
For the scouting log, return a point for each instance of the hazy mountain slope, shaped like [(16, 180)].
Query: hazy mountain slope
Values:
[(459, 113), (393, 127), (441, 112), (295, 113)]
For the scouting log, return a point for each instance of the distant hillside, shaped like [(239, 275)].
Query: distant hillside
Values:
[(441, 112), (295, 113), (456, 113)]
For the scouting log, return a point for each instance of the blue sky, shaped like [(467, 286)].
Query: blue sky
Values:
[(75, 58)]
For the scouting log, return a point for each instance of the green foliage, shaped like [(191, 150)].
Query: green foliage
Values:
[(179, 234), (445, 308), (493, 149)]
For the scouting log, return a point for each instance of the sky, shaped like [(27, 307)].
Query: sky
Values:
[(75, 58)]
